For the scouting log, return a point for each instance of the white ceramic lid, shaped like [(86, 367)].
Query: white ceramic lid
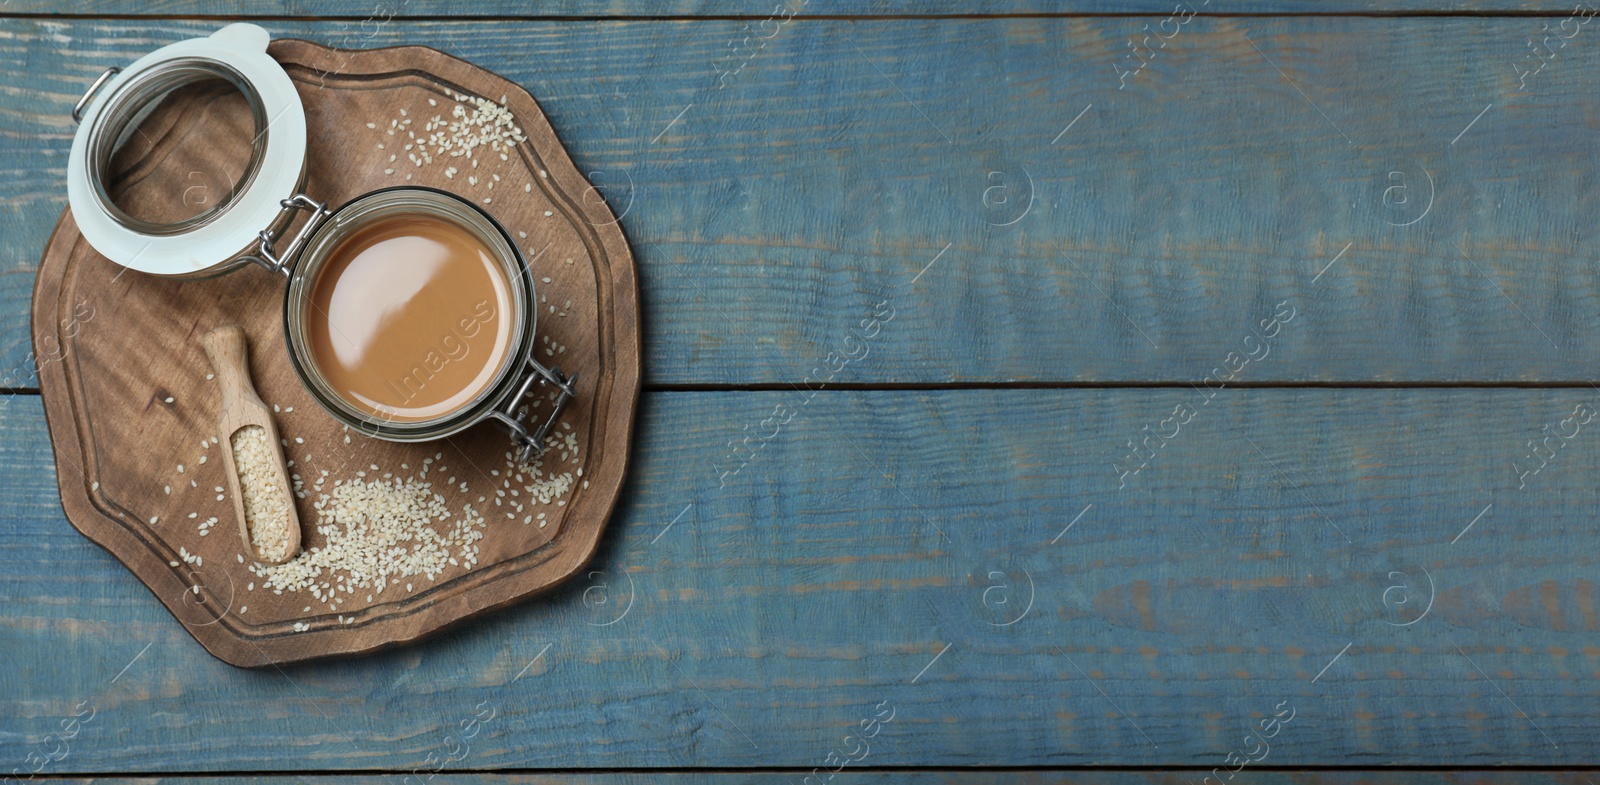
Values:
[(243, 49)]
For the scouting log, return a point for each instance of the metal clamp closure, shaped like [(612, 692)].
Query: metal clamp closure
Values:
[(268, 255), (530, 445), (77, 109)]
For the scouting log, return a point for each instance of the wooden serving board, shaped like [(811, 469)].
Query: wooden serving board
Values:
[(124, 377)]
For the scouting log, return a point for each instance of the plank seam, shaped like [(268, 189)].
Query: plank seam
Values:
[(212, 774), (1394, 14)]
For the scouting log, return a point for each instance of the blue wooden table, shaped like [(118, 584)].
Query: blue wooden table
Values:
[(1231, 414)]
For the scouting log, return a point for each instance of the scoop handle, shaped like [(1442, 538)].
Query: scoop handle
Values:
[(225, 346)]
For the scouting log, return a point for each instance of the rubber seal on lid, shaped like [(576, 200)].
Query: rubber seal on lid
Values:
[(242, 50)]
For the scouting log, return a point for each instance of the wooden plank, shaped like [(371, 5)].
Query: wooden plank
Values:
[(944, 777), (1167, 219), (382, 11), (936, 551)]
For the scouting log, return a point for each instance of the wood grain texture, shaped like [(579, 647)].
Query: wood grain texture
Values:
[(1174, 213), (133, 394), (754, 619), (381, 11), (947, 777)]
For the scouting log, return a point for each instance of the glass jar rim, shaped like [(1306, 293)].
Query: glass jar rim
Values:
[(135, 100)]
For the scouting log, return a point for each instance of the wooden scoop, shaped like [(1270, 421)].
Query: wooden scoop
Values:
[(241, 407)]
